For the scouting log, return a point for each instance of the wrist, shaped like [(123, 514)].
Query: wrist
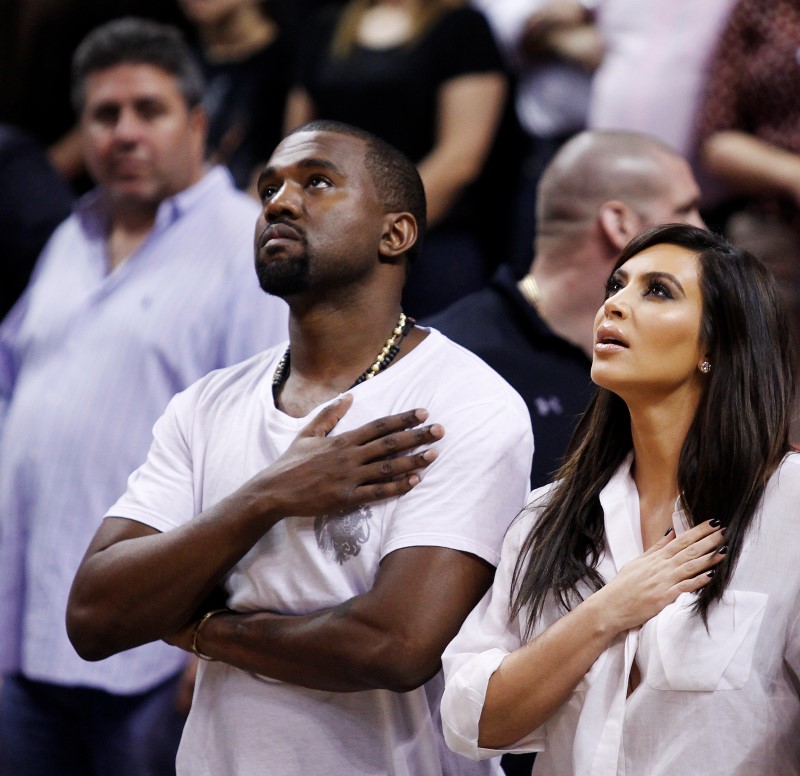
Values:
[(198, 629), (605, 620), (258, 506)]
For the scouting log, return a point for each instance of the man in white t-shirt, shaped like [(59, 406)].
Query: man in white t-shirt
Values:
[(319, 561)]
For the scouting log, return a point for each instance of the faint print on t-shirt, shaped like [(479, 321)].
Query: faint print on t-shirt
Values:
[(341, 534)]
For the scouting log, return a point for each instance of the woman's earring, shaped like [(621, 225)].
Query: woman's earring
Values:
[(705, 367)]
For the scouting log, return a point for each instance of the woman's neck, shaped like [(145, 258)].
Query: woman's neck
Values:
[(658, 431), (386, 24)]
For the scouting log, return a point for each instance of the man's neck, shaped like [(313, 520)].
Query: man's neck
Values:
[(567, 302), (331, 348), (128, 229)]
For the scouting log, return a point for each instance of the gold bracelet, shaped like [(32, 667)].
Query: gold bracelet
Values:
[(196, 632)]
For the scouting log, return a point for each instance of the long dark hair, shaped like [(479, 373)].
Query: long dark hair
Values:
[(737, 439)]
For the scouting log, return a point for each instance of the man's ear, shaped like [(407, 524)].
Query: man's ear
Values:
[(398, 237), (618, 222), (198, 123)]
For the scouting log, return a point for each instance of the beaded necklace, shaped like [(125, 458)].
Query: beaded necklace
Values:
[(382, 361)]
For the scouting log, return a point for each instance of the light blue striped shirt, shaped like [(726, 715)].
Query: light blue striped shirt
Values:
[(88, 361)]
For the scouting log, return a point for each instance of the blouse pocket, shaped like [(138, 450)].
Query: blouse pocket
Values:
[(686, 656)]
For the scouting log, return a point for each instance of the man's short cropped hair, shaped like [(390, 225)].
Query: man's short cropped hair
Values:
[(394, 175), (140, 42)]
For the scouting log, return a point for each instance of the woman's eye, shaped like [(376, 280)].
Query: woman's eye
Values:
[(659, 290), (612, 287)]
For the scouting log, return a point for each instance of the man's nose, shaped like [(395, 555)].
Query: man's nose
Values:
[(286, 201), (128, 127)]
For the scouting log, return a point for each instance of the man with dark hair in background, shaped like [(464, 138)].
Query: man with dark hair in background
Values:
[(145, 288)]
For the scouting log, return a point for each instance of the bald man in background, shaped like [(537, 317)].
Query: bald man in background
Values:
[(600, 190)]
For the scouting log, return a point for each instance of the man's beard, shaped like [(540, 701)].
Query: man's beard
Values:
[(284, 277)]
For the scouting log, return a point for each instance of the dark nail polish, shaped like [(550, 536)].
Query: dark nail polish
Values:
[(722, 550), (669, 531), (711, 573), (714, 523)]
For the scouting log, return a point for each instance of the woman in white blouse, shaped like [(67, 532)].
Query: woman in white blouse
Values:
[(645, 616)]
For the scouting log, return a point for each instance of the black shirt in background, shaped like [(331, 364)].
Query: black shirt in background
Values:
[(550, 374), (34, 200)]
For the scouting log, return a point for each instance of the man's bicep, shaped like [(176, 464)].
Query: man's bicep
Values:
[(117, 529)]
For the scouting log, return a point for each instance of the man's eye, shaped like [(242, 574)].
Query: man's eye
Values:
[(106, 115), (150, 112), (318, 182), (267, 192)]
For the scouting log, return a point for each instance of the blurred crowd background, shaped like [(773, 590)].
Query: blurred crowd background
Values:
[(480, 95)]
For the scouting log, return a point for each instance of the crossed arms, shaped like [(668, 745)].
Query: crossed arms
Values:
[(137, 584)]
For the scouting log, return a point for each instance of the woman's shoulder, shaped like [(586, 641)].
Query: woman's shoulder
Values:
[(526, 519), (785, 482)]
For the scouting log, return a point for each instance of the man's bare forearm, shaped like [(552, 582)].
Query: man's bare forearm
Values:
[(138, 585), (391, 637)]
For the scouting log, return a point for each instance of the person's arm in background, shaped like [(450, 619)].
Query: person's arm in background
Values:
[(746, 163), (473, 101), (66, 155), (299, 109), (562, 30), (752, 166)]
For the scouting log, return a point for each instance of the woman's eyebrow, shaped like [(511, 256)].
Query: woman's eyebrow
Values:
[(658, 275)]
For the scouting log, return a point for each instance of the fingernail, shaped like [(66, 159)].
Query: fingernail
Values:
[(421, 414), (413, 480), (711, 573), (722, 550), (669, 531), (429, 455), (714, 523)]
